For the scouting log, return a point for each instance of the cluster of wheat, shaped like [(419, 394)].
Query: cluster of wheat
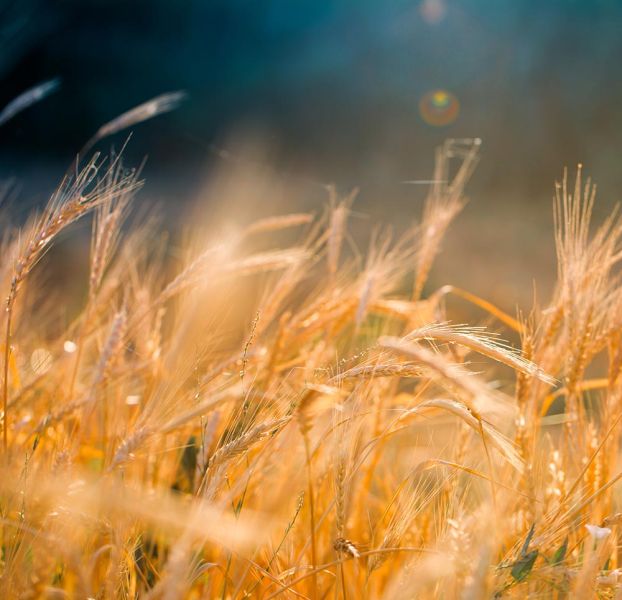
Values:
[(304, 420)]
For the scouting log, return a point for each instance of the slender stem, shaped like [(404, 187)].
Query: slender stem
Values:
[(5, 380), (80, 343), (343, 580), (311, 514)]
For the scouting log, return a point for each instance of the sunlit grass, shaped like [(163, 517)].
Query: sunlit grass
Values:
[(306, 421)]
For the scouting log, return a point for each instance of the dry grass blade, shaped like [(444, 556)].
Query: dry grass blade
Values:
[(336, 227), (490, 435), (479, 397), (152, 108), (272, 224), (268, 261), (380, 370), (245, 441), (27, 99), (443, 204), (480, 341)]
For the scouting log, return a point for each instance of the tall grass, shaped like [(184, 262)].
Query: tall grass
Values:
[(303, 421)]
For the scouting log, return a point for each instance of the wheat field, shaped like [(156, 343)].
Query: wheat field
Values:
[(303, 419)]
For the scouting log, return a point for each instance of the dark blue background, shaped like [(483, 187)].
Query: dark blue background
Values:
[(332, 86)]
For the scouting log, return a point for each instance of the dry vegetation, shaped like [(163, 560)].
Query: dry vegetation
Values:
[(305, 420)]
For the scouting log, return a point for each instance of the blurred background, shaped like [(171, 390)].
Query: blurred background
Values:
[(286, 96)]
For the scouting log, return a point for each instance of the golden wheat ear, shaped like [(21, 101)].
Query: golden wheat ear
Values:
[(73, 199), (444, 202), (479, 340), (148, 110), (339, 211), (475, 392)]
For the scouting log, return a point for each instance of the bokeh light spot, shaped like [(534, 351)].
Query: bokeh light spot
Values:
[(133, 400), (70, 347), (439, 108), (433, 11)]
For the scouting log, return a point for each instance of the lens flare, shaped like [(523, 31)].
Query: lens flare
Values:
[(439, 108)]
